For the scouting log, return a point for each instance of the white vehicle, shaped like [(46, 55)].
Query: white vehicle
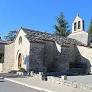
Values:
[(1, 79)]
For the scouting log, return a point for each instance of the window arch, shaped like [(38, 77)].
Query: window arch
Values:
[(79, 25), (20, 40), (75, 26), (83, 25)]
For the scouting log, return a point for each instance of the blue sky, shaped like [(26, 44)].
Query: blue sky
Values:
[(41, 14)]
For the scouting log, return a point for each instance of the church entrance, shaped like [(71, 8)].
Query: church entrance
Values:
[(19, 61)]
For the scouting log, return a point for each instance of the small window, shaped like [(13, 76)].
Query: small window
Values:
[(1, 57), (75, 26), (20, 40), (83, 25), (79, 26)]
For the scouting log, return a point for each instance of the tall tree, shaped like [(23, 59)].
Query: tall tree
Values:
[(61, 28), (10, 36), (90, 28)]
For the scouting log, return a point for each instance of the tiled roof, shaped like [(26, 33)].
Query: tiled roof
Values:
[(38, 36), (4, 42)]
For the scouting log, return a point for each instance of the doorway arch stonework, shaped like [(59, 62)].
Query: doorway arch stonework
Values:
[(19, 60)]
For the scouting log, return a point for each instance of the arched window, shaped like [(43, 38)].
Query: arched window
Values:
[(75, 26), (79, 25), (20, 40), (83, 25)]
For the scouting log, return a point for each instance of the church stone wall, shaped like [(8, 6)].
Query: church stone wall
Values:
[(36, 56), (86, 56), (1, 48), (8, 57), (40, 53), (47, 55), (63, 59)]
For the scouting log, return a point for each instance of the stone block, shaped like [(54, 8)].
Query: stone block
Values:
[(31, 73), (20, 73), (64, 77)]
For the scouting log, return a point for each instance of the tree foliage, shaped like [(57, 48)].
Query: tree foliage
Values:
[(90, 28), (10, 36), (61, 28)]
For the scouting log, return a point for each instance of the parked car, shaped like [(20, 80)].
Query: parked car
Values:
[(1, 79)]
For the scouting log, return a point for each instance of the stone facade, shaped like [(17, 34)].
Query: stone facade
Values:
[(36, 56), (39, 52), (44, 53), (22, 48), (9, 54), (11, 51)]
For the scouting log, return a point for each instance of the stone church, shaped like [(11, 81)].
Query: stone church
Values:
[(41, 51)]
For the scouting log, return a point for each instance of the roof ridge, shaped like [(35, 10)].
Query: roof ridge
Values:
[(32, 30)]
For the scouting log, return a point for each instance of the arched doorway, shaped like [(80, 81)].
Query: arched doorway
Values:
[(20, 61)]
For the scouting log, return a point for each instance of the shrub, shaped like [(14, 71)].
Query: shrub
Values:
[(22, 70)]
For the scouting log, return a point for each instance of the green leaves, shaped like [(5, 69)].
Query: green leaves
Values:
[(61, 28), (90, 28)]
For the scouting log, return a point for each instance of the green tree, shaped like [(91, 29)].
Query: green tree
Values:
[(90, 28), (10, 36), (61, 28)]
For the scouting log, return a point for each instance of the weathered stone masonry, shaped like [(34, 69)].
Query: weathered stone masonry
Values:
[(44, 53), (40, 52)]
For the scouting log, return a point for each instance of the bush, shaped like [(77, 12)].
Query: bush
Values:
[(22, 70)]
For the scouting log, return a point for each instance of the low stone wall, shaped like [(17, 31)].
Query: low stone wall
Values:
[(59, 81)]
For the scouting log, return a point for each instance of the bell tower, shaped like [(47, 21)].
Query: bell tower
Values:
[(78, 24), (78, 31)]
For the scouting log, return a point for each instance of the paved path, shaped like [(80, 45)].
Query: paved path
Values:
[(87, 79), (7, 86)]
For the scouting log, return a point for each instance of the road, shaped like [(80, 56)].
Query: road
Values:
[(7, 86)]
